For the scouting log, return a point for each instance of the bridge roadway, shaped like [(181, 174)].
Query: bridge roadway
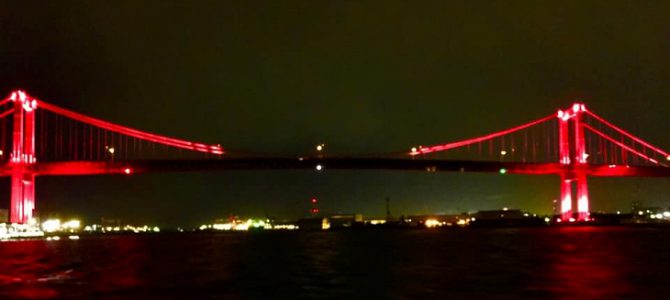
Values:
[(328, 163)]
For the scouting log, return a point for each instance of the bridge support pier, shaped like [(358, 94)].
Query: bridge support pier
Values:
[(23, 155), (23, 197), (573, 145), (566, 198), (582, 196)]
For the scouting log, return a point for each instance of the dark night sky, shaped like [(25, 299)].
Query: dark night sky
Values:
[(281, 76)]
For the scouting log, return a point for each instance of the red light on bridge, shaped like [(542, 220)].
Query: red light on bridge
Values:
[(127, 171), (314, 200)]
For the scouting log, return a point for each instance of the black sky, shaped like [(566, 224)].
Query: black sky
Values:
[(377, 76)]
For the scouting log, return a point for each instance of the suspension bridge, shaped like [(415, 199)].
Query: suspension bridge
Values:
[(573, 144)]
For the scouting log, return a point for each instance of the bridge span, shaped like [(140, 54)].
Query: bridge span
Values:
[(328, 163), (38, 138)]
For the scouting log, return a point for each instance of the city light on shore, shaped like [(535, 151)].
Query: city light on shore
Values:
[(56, 225), (249, 224)]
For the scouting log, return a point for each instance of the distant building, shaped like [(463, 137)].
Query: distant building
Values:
[(509, 214), (505, 218), (555, 209), (4, 215), (345, 221), (331, 222), (635, 206), (313, 224), (441, 220), (106, 222)]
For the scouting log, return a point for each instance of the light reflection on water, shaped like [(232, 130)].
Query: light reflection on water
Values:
[(589, 266), (554, 263)]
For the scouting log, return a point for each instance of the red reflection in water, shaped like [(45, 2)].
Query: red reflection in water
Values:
[(26, 267), (121, 263), (586, 266), (51, 269)]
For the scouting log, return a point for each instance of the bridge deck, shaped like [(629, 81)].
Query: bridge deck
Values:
[(328, 163)]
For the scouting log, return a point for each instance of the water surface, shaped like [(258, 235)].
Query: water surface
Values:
[(547, 263)]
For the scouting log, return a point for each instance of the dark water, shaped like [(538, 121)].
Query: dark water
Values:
[(547, 263)]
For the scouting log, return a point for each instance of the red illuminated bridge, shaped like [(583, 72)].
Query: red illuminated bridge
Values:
[(573, 143)]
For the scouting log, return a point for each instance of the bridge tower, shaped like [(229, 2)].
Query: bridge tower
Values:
[(22, 157), (572, 155)]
